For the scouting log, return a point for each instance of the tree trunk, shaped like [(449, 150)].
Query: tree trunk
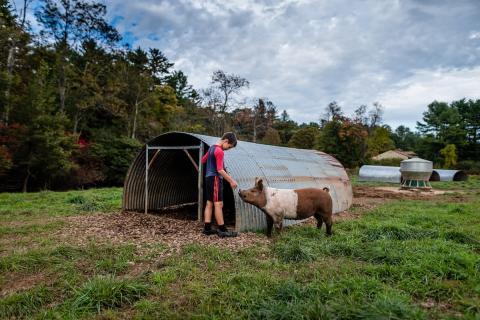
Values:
[(135, 120), (63, 51), (10, 64), (76, 120), (61, 88), (25, 181)]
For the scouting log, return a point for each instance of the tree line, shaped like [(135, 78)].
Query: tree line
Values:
[(76, 105)]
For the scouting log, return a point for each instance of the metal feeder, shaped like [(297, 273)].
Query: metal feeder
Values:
[(416, 173)]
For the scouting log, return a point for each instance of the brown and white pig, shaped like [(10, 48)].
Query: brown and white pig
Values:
[(296, 204)]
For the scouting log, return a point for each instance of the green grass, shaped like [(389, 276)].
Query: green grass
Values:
[(88, 277), (28, 229), (29, 206), (473, 183), (25, 303), (106, 292), (402, 260), (92, 259)]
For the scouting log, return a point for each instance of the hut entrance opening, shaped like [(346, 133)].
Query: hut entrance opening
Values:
[(174, 180)]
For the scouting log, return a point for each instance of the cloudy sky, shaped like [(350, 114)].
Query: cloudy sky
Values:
[(303, 54)]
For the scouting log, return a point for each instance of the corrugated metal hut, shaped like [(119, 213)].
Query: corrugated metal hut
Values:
[(380, 174), (173, 176), (448, 175)]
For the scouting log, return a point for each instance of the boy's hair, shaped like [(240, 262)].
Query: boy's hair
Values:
[(231, 137)]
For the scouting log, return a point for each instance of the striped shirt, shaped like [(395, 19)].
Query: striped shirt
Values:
[(214, 160)]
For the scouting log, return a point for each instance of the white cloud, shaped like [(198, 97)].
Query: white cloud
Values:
[(302, 54), (475, 35), (407, 100)]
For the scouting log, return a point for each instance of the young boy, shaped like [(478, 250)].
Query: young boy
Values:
[(214, 175)]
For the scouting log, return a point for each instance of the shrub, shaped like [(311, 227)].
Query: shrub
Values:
[(77, 199), (5, 160), (471, 166), (116, 155), (393, 162)]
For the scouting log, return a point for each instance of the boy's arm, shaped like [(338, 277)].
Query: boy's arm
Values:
[(227, 177), (219, 154), (205, 157)]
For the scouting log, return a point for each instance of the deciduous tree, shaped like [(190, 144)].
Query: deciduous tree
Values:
[(379, 141), (304, 138), (449, 154), (68, 23)]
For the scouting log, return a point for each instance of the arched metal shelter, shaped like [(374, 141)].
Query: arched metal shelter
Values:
[(173, 176), (380, 174), (448, 175)]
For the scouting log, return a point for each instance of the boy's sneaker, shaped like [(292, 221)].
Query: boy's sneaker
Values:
[(209, 232), (227, 234)]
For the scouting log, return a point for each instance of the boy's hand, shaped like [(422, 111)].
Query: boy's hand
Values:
[(234, 184)]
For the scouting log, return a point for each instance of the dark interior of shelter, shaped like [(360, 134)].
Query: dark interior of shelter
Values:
[(435, 176)]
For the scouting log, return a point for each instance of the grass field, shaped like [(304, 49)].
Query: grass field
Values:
[(403, 259)]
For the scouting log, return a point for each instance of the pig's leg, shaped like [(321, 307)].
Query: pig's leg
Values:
[(279, 226), (319, 218), (328, 223), (269, 226)]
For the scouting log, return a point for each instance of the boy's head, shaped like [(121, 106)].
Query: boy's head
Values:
[(229, 140)]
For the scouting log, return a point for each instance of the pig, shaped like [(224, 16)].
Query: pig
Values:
[(296, 204)]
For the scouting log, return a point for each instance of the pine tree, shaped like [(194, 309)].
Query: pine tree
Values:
[(47, 147)]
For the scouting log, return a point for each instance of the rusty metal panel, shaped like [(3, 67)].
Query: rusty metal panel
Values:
[(280, 167)]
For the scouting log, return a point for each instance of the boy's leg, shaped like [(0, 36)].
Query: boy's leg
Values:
[(207, 229), (222, 229), (218, 208), (219, 212), (207, 214)]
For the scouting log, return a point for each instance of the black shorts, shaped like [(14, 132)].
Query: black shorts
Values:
[(213, 189)]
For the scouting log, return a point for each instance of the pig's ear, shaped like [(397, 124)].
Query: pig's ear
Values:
[(259, 184)]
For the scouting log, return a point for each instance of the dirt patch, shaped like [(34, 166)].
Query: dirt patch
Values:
[(144, 230), (16, 282), (392, 193), (366, 198), (411, 194), (431, 304)]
